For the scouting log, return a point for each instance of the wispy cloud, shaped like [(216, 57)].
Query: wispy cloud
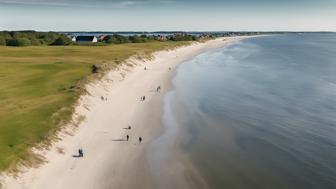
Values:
[(41, 2), (123, 4), (83, 4)]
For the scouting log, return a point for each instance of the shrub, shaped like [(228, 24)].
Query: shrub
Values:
[(35, 38), (61, 41), (36, 42), (2, 41), (182, 37), (137, 39), (116, 39), (95, 68), (20, 42)]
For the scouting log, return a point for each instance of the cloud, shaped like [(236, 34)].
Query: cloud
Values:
[(123, 4), (83, 4), (36, 2)]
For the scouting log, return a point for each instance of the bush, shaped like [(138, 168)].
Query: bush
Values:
[(2, 41), (116, 39), (137, 39), (36, 42), (61, 41), (35, 38), (20, 42), (95, 68), (183, 37)]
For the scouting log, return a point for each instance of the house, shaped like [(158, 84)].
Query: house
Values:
[(102, 37), (161, 38), (85, 38)]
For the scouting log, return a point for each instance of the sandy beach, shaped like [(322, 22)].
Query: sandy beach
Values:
[(109, 160)]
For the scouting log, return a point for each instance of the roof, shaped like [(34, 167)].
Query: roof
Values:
[(85, 38), (102, 37)]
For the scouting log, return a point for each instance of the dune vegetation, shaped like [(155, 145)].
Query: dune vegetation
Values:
[(34, 38), (39, 86)]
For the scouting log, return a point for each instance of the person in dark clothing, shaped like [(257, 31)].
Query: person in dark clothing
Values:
[(127, 137), (140, 140), (80, 152)]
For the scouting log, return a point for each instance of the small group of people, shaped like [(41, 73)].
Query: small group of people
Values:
[(81, 153), (128, 137), (103, 98), (143, 98)]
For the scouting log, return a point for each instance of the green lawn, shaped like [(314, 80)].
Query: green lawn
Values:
[(38, 89)]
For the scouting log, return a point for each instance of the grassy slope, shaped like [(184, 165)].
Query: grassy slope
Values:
[(35, 83)]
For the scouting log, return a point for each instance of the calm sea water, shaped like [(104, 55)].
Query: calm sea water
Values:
[(258, 114)]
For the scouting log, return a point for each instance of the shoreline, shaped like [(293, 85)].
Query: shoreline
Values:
[(108, 160)]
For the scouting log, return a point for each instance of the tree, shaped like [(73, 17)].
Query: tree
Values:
[(14, 38), (182, 37), (2, 41), (137, 39), (116, 39), (18, 42), (5, 35), (61, 41), (36, 41)]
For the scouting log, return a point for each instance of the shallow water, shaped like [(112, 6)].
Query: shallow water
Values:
[(259, 113)]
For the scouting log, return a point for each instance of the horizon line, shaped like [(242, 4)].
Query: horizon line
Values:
[(158, 31)]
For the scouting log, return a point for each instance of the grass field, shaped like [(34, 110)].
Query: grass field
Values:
[(38, 89)]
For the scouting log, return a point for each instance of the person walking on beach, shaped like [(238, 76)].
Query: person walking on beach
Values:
[(80, 152), (127, 137), (140, 140), (158, 88)]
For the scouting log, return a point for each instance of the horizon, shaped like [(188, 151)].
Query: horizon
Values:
[(167, 31), (168, 15)]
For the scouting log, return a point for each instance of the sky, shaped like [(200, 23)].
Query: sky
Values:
[(168, 15)]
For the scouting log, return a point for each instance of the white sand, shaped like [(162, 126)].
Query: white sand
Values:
[(107, 162)]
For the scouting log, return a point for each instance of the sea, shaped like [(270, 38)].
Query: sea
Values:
[(259, 113)]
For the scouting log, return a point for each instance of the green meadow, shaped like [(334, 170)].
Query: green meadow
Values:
[(40, 84)]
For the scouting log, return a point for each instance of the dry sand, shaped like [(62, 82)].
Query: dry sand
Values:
[(109, 161)]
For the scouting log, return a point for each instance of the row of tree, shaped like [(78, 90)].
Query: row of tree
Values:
[(27, 38), (120, 39)]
